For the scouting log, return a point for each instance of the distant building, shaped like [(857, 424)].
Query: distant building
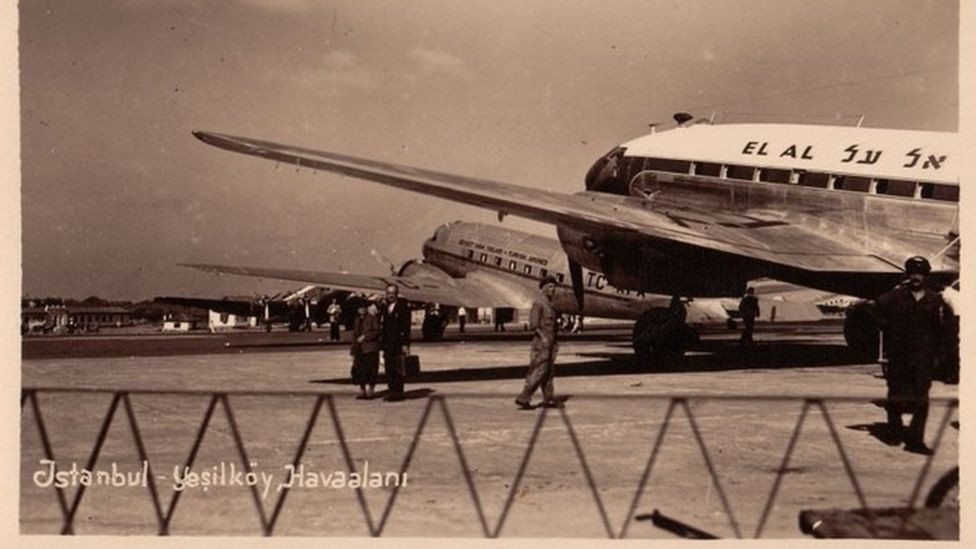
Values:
[(94, 317), (217, 320), (35, 317), (180, 323)]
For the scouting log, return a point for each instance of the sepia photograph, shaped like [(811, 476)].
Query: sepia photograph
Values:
[(438, 270)]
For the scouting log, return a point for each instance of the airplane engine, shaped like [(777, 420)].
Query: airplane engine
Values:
[(418, 268), (646, 268)]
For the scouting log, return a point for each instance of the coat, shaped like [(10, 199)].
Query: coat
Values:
[(368, 326), (395, 326), (912, 329), (544, 322)]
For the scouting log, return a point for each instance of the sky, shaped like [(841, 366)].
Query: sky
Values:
[(115, 191)]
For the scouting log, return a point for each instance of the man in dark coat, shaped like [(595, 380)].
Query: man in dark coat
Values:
[(395, 341), (544, 322), (749, 309), (911, 317)]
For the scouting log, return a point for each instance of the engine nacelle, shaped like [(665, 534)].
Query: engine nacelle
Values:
[(646, 268)]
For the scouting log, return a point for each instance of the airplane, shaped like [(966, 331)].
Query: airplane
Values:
[(700, 209), (478, 265), (299, 308)]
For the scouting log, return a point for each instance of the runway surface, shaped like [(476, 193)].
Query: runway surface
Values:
[(580, 480)]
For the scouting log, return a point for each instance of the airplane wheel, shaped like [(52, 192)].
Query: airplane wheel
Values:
[(433, 328), (658, 335), (945, 492), (861, 333)]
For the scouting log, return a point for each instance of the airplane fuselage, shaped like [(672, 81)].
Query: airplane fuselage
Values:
[(520, 260), (892, 193)]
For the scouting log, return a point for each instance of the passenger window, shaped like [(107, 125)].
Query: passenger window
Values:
[(498, 261), (771, 175), (934, 191), (527, 269), (470, 254), (559, 277), (512, 265), (484, 258), (543, 273), (894, 187), (852, 183), (814, 179), (709, 169), (740, 172)]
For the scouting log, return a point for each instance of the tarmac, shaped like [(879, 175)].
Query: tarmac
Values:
[(718, 425)]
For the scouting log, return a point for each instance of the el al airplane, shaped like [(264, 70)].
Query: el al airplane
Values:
[(701, 209)]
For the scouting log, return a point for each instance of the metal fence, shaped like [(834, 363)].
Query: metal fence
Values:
[(269, 517)]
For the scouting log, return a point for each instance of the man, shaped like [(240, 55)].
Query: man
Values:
[(911, 317), (335, 314), (462, 317), (749, 309), (543, 321), (395, 340)]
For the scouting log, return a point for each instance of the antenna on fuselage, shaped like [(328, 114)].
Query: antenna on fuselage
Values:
[(682, 118)]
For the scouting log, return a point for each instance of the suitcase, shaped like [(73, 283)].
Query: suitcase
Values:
[(411, 365)]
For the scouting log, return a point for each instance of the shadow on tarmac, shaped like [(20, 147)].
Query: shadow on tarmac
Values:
[(707, 357)]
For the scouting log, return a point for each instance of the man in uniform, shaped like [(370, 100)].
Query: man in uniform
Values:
[(543, 322), (911, 317), (395, 322), (749, 309)]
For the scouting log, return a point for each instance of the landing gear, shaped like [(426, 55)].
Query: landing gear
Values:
[(433, 327), (661, 333), (861, 332)]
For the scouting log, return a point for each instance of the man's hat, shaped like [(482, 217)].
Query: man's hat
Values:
[(549, 279), (917, 265)]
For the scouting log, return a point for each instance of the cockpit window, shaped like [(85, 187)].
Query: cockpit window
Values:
[(605, 174)]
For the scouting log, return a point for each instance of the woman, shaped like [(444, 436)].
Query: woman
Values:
[(366, 349)]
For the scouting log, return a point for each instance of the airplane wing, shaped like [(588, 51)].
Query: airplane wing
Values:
[(768, 239), (239, 307), (426, 285)]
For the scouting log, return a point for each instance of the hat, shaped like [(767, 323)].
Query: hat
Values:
[(917, 265), (549, 279)]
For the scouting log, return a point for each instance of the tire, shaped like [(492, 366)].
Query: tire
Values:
[(945, 492), (433, 328), (861, 333), (659, 335)]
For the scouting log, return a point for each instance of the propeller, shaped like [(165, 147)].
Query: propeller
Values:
[(383, 260)]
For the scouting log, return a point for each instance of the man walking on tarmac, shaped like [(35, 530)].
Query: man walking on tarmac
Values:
[(543, 321), (911, 317)]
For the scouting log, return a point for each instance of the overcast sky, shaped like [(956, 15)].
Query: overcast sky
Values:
[(116, 192)]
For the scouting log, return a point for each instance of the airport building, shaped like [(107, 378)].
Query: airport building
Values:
[(90, 317), (56, 317)]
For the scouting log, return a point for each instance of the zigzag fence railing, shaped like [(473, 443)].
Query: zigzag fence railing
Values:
[(268, 520)]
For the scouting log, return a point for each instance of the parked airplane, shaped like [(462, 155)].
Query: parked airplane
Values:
[(701, 209), (299, 308), (477, 265)]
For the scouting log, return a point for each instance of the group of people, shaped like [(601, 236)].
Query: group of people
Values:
[(913, 318), (381, 325)]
